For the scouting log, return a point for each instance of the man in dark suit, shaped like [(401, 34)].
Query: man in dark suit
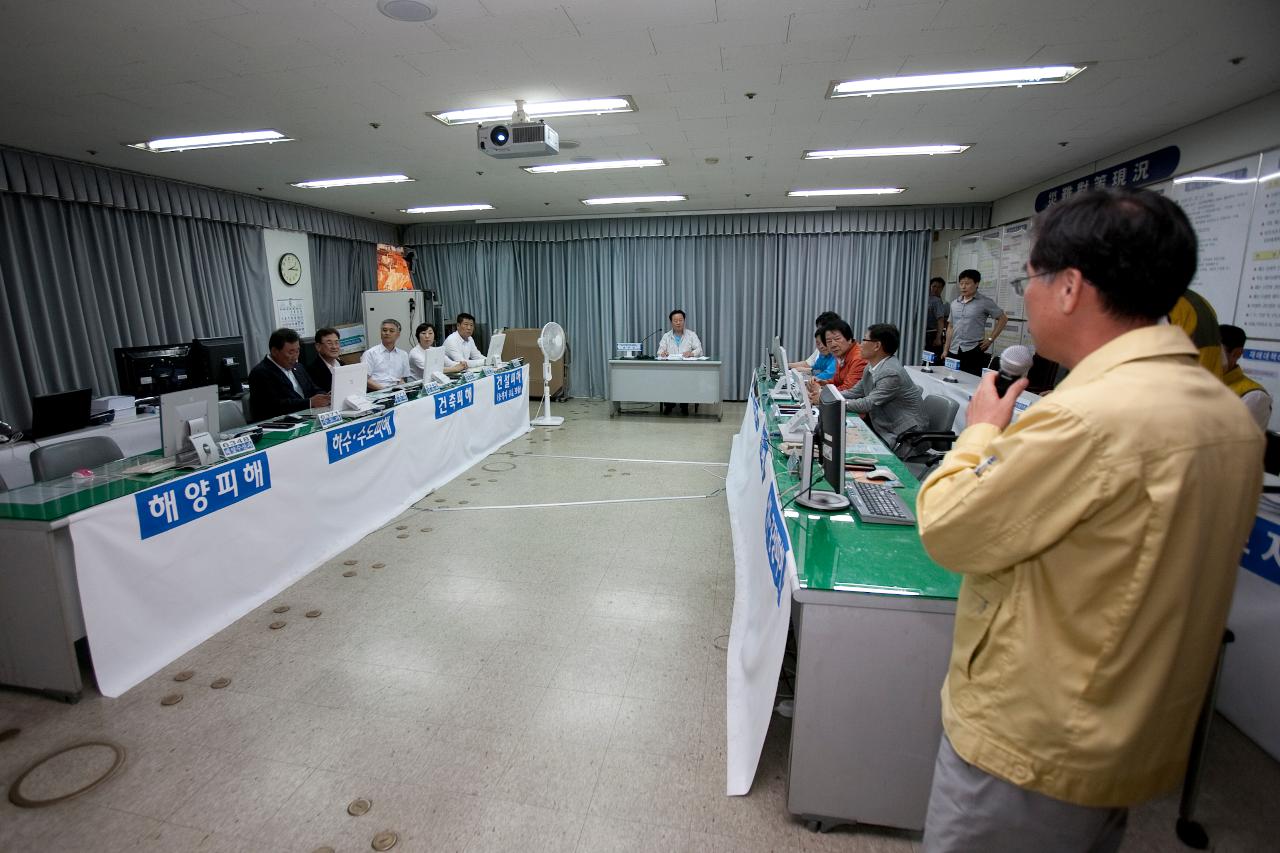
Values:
[(327, 350), (278, 386)]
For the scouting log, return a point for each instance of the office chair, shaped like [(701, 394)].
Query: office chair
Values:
[(922, 449), (52, 461), (230, 414)]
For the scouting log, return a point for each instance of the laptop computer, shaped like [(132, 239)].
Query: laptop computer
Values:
[(53, 414)]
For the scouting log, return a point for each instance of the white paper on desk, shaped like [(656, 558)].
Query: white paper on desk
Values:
[(866, 449)]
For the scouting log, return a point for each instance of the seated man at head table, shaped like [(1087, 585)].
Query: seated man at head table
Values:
[(461, 346), (823, 320), (387, 364), (426, 335), (885, 393), (278, 385), (680, 342), (327, 347), (849, 364)]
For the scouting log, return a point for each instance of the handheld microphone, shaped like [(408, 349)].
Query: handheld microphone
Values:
[(1014, 364)]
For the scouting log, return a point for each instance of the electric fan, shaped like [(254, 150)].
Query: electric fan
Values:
[(551, 342)]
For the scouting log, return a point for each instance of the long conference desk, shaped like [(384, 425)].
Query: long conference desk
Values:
[(148, 567), (650, 380), (872, 616)]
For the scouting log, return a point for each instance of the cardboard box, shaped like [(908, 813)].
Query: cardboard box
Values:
[(523, 343)]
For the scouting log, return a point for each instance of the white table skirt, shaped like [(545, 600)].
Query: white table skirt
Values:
[(148, 601)]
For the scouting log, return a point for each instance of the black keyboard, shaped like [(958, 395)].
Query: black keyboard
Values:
[(878, 503)]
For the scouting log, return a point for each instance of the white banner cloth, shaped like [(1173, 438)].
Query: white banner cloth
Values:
[(148, 601), (764, 578)]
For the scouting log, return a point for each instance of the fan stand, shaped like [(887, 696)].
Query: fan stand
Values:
[(547, 420)]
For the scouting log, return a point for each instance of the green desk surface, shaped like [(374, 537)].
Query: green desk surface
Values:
[(837, 551), (56, 499)]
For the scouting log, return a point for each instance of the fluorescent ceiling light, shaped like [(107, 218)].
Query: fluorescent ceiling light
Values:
[(635, 199), (213, 140), (548, 109), (851, 191), (352, 182), (899, 151), (1213, 179), (448, 208), (554, 168), (957, 80)]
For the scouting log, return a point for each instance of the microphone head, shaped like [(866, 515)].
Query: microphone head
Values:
[(1016, 360)]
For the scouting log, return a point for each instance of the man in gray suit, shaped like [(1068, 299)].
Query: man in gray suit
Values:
[(885, 393)]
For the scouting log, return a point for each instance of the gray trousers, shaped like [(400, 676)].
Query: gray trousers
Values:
[(971, 811)]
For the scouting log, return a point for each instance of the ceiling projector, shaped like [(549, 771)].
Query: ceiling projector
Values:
[(517, 139)]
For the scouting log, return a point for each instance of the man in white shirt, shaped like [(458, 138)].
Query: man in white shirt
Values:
[(460, 347), (1255, 398), (386, 364), (680, 342)]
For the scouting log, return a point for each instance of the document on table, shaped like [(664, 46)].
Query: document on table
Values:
[(682, 358)]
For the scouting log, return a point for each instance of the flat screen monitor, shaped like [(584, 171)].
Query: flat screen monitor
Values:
[(433, 364), (494, 354), (349, 380), (779, 356), (184, 413), (829, 447), (221, 362), (151, 370), (53, 414)]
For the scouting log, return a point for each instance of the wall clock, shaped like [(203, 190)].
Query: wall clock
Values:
[(290, 268)]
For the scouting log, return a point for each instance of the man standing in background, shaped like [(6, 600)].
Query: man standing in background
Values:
[(935, 325), (967, 337), (1255, 398)]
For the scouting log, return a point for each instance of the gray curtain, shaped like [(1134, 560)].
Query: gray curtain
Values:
[(45, 176), (738, 290), (78, 280), (340, 271)]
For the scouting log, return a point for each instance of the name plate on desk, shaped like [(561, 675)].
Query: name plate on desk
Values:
[(177, 502), (454, 400), (508, 386), (238, 446), (399, 397), (952, 363), (628, 347), (928, 357), (347, 441), (328, 419)]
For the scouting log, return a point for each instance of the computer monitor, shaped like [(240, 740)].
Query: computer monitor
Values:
[(151, 370), (493, 356), (221, 362), (433, 364), (349, 380), (53, 414), (779, 355), (185, 413), (829, 448)]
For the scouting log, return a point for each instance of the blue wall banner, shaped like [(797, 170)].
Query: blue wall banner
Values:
[(173, 504), (454, 400), (508, 385), (1262, 551), (1147, 169), (346, 441)]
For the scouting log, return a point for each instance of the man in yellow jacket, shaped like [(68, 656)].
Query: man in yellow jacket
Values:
[(1255, 398), (1098, 538)]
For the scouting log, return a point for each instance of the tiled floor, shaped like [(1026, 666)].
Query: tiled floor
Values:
[(533, 678)]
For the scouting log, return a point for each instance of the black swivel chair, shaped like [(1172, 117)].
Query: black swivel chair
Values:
[(52, 461), (922, 449)]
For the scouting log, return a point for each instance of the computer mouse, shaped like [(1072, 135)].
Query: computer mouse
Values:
[(82, 474), (878, 476)]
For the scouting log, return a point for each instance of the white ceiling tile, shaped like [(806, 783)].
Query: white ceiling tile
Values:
[(770, 29)]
